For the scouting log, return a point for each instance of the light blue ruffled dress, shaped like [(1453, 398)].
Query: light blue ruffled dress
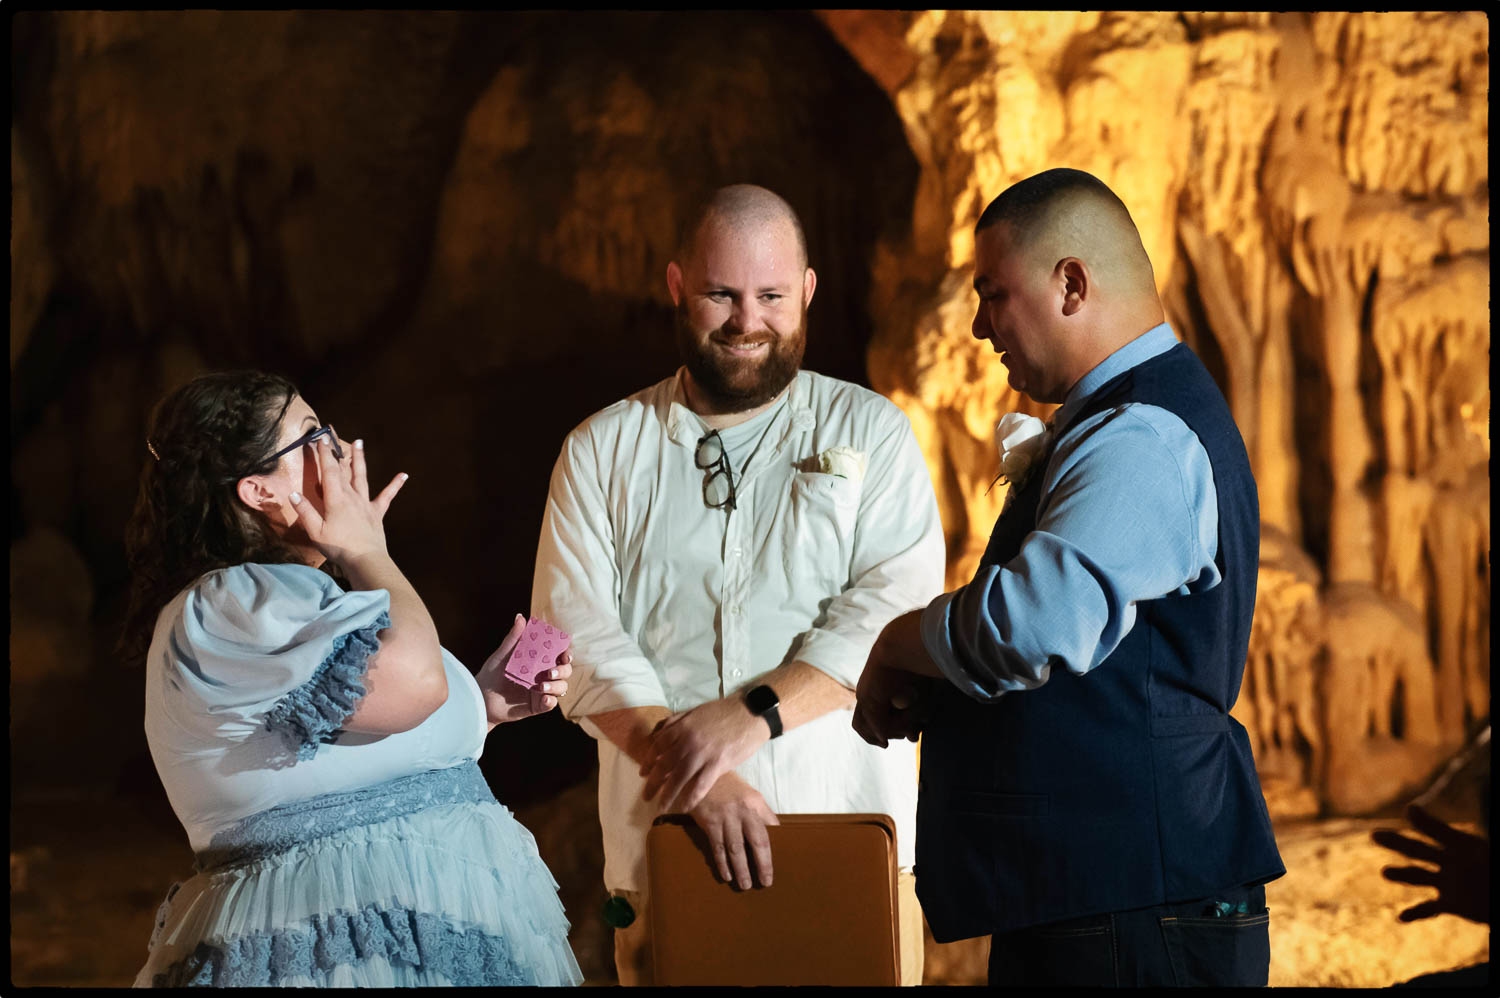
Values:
[(324, 857)]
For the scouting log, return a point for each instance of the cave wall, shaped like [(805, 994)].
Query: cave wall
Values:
[(451, 229), (1313, 191)]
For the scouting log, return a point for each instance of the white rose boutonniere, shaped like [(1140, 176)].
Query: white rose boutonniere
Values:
[(1020, 439), (845, 462)]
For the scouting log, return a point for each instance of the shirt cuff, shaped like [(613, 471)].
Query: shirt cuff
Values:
[(936, 639)]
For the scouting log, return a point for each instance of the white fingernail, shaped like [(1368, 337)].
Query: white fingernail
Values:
[(359, 445), (404, 476), (296, 497)]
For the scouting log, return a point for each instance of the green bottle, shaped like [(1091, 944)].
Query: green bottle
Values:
[(618, 913)]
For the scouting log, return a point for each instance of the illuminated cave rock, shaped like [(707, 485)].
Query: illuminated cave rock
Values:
[(1312, 190), (437, 201), (1278, 702)]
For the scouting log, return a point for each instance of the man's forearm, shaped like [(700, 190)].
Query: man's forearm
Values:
[(900, 646), (629, 729), (806, 693)]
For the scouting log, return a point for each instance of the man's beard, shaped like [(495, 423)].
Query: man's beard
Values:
[(731, 384)]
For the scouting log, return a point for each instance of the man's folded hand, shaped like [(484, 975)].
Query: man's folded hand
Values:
[(891, 704), (689, 752), (735, 816), (894, 695)]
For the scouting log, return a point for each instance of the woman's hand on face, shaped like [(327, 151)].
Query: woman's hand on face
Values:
[(350, 524), (507, 700)]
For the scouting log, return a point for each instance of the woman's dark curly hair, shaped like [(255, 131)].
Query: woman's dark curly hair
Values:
[(188, 518)]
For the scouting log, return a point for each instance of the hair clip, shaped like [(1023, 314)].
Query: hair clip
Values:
[(152, 450)]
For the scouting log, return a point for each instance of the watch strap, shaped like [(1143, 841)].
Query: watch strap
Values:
[(762, 701), (773, 718)]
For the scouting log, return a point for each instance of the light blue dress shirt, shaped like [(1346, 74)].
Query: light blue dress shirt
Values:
[(1128, 513)]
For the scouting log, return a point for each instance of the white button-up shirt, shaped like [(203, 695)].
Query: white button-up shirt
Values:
[(671, 603)]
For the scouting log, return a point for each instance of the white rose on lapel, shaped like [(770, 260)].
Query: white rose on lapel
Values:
[(846, 462), (1020, 440)]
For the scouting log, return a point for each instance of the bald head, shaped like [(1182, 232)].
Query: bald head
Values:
[(1068, 213), (737, 210)]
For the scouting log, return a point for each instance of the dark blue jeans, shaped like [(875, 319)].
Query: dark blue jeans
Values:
[(1185, 944)]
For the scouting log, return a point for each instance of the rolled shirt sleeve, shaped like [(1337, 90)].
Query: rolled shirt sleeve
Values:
[(898, 557), (1129, 513)]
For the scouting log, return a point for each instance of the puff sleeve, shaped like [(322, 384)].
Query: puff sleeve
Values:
[(278, 648)]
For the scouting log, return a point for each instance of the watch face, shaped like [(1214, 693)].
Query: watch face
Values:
[(761, 699)]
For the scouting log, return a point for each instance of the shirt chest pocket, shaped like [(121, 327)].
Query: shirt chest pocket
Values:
[(819, 539)]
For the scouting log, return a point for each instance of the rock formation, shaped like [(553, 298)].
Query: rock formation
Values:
[(1313, 192), (451, 227)]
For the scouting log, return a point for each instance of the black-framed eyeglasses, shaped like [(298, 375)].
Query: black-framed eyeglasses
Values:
[(311, 436), (710, 456)]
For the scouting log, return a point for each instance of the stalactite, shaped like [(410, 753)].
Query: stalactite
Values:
[(1308, 180)]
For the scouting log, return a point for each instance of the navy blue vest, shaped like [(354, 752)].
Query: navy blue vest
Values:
[(1130, 785)]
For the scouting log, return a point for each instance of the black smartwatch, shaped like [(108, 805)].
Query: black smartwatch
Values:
[(762, 701)]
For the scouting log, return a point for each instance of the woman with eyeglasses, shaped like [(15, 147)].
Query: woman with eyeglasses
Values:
[(315, 740)]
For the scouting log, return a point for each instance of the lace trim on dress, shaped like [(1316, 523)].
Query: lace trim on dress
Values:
[(272, 831), (399, 936), (314, 712)]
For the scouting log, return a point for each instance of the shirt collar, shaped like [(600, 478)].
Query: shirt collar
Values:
[(684, 426), (1152, 343)]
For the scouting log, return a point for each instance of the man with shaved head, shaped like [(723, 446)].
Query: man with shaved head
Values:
[(724, 548), (1086, 799)]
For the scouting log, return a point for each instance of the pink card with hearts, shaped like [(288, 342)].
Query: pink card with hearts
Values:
[(536, 652)]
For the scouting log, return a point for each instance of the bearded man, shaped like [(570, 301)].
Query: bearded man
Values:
[(724, 548)]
